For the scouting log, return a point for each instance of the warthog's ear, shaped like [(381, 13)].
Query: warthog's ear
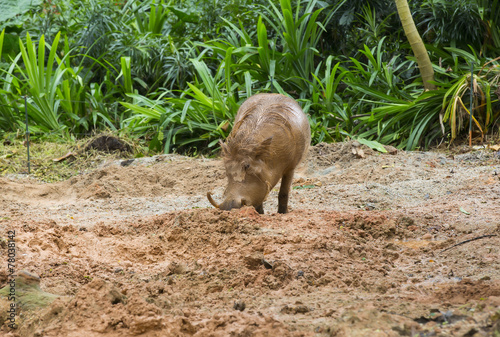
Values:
[(224, 149), (263, 148)]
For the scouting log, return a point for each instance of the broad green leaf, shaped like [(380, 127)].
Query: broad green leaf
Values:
[(372, 144), (12, 8)]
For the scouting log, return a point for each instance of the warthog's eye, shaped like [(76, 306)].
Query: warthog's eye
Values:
[(246, 166)]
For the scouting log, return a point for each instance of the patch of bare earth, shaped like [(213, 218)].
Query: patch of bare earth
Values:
[(134, 249)]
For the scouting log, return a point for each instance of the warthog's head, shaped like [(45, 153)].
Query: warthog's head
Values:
[(248, 176)]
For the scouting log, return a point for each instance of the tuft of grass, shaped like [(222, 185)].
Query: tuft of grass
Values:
[(13, 158)]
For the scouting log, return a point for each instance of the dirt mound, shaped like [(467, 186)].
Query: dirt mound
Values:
[(467, 290), (325, 155), (159, 275), (136, 249), (113, 312), (334, 167), (163, 176), (116, 181), (119, 312), (29, 190)]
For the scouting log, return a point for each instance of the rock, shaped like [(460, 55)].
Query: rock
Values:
[(327, 170), (28, 295), (127, 162), (239, 305), (297, 309), (391, 150), (267, 264), (427, 236), (176, 268)]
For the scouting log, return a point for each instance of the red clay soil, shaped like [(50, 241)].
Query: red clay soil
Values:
[(367, 250)]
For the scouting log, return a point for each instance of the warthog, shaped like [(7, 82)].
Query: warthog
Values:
[(270, 137)]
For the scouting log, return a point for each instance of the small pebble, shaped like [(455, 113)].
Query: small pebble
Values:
[(239, 305), (427, 236), (369, 207), (267, 265), (127, 162)]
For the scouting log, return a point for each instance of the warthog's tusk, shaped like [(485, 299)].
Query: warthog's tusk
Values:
[(209, 196)]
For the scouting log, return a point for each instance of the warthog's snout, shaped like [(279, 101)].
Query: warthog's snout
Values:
[(227, 204)]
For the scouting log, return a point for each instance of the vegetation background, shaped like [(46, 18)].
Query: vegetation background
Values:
[(173, 73)]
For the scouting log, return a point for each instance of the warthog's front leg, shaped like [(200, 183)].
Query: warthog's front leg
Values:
[(260, 209), (286, 183)]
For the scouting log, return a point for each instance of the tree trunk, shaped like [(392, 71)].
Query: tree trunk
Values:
[(416, 43)]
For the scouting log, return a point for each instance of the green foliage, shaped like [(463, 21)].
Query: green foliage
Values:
[(299, 33), (455, 103), (174, 73), (10, 46), (456, 23), (359, 22), (201, 114), (212, 16), (41, 83), (488, 11), (11, 8), (154, 21), (407, 124), (7, 115), (373, 29), (330, 110)]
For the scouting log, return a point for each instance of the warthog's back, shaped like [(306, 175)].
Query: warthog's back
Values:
[(275, 116)]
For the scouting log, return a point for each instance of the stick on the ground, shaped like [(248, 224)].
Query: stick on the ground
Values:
[(466, 241)]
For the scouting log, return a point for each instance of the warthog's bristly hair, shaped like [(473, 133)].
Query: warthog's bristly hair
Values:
[(271, 135), (246, 141)]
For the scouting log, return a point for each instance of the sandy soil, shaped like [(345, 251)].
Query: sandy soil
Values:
[(135, 249)]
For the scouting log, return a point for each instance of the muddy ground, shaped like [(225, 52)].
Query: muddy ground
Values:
[(135, 249)]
